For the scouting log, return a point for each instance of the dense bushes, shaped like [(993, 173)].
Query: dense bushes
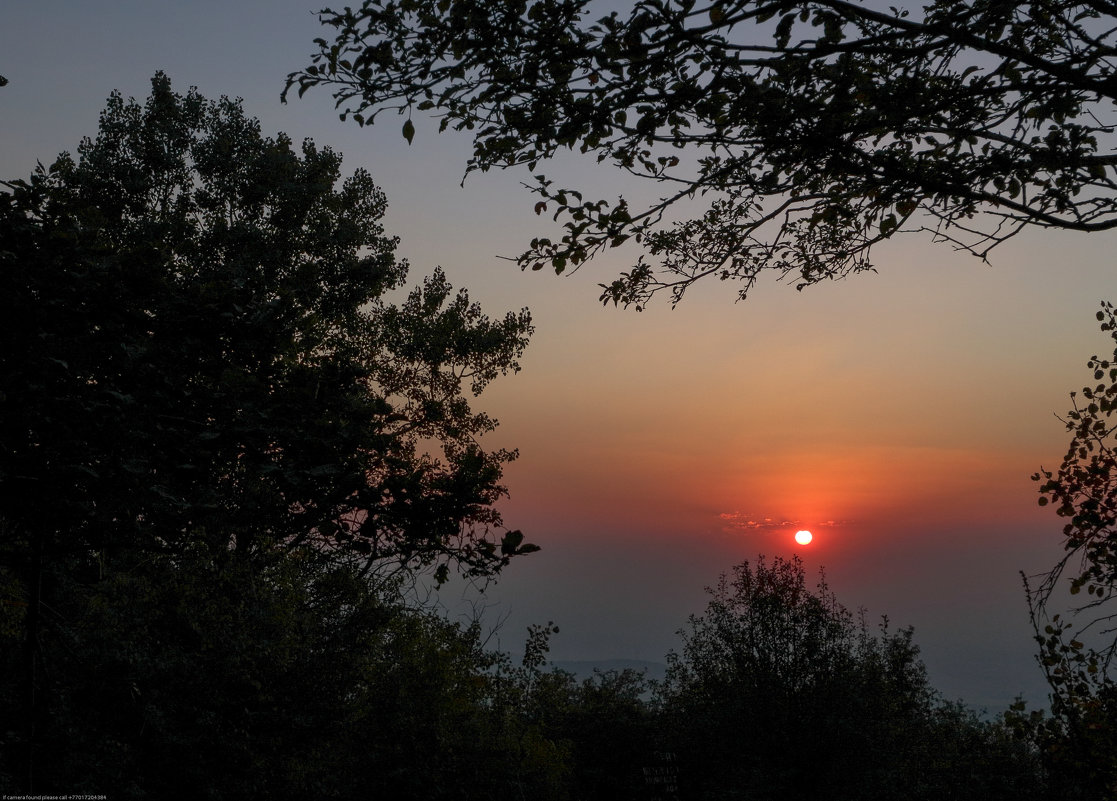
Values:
[(781, 693)]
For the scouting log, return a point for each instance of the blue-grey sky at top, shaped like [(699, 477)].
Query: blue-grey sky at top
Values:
[(937, 355)]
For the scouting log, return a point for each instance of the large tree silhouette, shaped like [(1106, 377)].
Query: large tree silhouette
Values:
[(204, 386), (198, 352)]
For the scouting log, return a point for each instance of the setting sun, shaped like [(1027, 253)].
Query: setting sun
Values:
[(803, 537)]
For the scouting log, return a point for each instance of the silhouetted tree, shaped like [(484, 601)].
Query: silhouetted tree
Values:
[(780, 693), (1078, 653), (197, 349), (1084, 490), (814, 129), (199, 366)]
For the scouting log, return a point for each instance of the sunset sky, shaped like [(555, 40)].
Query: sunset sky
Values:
[(898, 415)]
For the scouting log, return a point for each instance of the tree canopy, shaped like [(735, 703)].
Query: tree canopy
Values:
[(788, 136), (199, 350), (781, 692), (228, 432)]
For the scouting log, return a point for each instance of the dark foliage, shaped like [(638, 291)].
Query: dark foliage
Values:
[(297, 679), (1084, 491), (198, 353), (779, 693), (1077, 651), (204, 386), (805, 131)]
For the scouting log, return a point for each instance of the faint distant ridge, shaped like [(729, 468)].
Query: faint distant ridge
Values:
[(584, 669)]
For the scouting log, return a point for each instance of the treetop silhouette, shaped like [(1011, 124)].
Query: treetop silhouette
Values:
[(199, 352)]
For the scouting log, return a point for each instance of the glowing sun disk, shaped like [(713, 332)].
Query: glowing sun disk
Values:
[(803, 537)]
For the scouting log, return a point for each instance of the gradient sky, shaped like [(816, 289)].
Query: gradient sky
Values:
[(899, 415)]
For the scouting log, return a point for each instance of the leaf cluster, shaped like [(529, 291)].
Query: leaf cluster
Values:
[(1077, 653), (1083, 491), (809, 130), (1078, 738)]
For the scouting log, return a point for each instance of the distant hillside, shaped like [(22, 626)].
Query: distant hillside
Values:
[(584, 669)]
